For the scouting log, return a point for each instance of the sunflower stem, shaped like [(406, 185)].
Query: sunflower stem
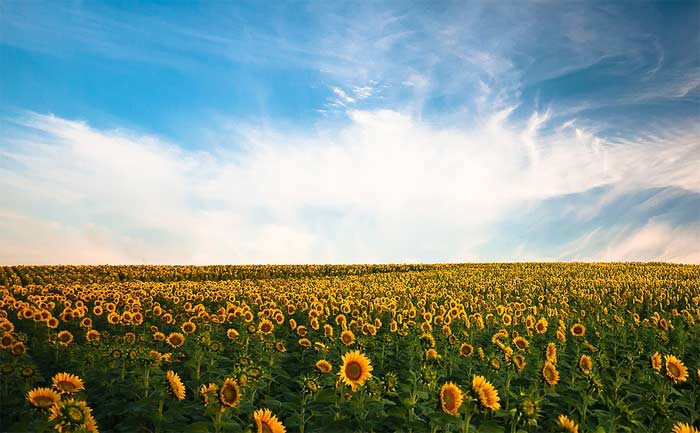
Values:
[(467, 421), (217, 422), (160, 414), (146, 378), (198, 364), (302, 421)]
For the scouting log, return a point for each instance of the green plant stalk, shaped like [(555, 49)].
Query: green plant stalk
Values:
[(363, 411), (302, 421), (217, 421), (146, 379), (160, 414), (198, 364), (467, 421)]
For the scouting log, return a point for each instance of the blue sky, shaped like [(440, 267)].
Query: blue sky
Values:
[(349, 132)]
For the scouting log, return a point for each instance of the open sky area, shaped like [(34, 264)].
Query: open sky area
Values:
[(349, 132)]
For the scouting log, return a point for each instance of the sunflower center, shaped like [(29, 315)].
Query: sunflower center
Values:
[(449, 400), (44, 401), (353, 371), (66, 386), (75, 414), (673, 368), (549, 373), (230, 394)]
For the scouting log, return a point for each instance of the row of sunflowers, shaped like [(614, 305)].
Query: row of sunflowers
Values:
[(417, 348)]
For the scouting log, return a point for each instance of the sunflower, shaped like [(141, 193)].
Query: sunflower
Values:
[(450, 398), (71, 415), (675, 369), (6, 341), (486, 393), (428, 338), (248, 316), (347, 337), (551, 353), (267, 423), (43, 398), (67, 383), (305, 342), (529, 409), (266, 327), (432, 354), (6, 326), (18, 349), (466, 350), (656, 361), (355, 370), (519, 361), (550, 373), (324, 366), (92, 335), (681, 427), (230, 393), (232, 334), (520, 342), (208, 393), (310, 385), (567, 425), (188, 327), (507, 319), (175, 340), (113, 318), (280, 347), (585, 363), (578, 330), (176, 386), (541, 325), (328, 330)]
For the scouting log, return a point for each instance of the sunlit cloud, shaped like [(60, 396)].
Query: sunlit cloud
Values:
[(386, 187)]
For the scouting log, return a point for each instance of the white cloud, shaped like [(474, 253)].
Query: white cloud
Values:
[(386, 187), (658, 242), (343, 96), (362, 92)]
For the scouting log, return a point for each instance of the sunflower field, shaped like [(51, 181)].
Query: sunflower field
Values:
[(487, 348)]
